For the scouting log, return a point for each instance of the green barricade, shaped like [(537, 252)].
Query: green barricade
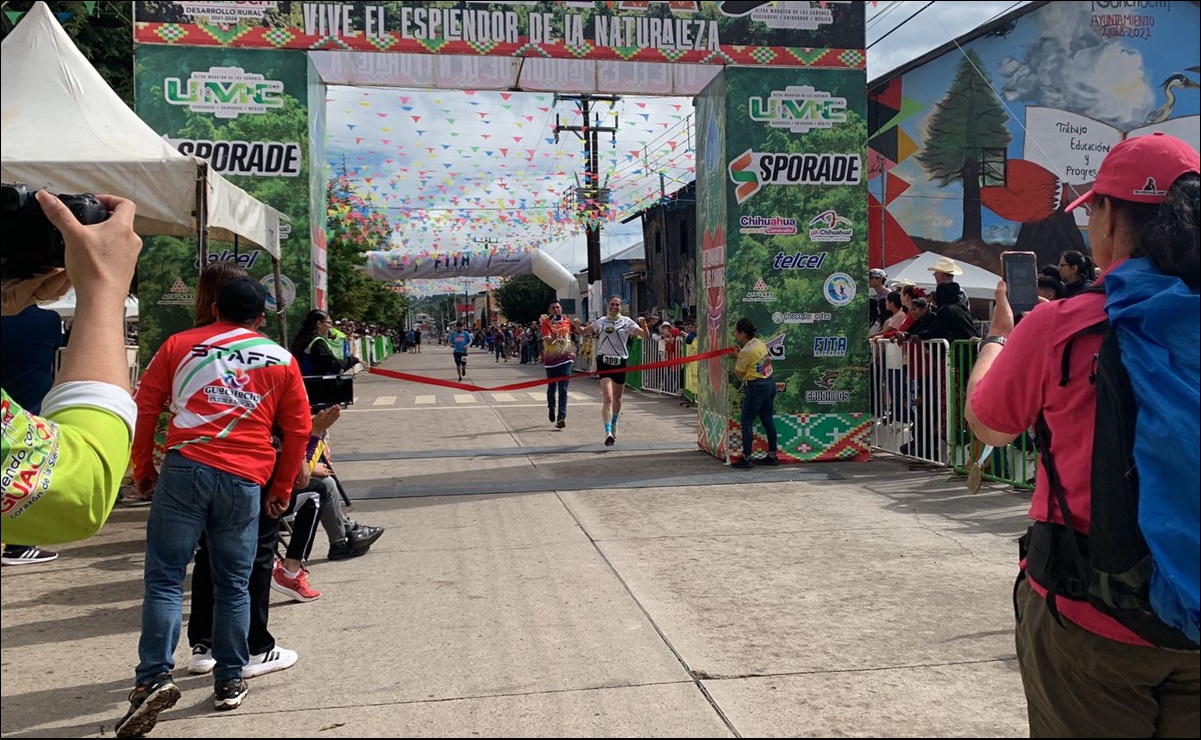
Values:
[(634, 380), (691, 374), (1015, 463), (388, 348), (380, 352)]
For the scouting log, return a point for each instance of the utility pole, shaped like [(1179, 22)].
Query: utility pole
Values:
[(486, 242), (591, 195)]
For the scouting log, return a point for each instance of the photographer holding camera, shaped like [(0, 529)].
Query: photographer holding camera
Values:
[(62, 470)]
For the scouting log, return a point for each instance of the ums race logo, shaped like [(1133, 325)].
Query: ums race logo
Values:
[(226, 92), (828, 226), (799, 108)]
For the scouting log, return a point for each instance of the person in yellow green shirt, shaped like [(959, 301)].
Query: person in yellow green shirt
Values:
[(62, 469), (753, 368)]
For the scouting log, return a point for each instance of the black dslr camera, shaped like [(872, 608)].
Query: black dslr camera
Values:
[(30, 244), (329, 390)]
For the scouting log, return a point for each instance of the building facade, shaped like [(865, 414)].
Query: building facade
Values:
[(976, 148)]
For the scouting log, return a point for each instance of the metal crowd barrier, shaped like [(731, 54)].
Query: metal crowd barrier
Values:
[(911, 399), (665, 380), (1015, 463)]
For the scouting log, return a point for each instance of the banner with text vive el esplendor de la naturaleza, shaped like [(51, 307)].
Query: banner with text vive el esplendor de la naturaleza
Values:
[(245, 112), (722, 32)]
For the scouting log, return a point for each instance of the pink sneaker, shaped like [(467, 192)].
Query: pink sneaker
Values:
[(297, 588)]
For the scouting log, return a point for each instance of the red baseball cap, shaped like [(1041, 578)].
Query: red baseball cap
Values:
[(1141, 169)]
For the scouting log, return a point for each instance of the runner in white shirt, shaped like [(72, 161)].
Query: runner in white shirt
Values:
[(612, 355)]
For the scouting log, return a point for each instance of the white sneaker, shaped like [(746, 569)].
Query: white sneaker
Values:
[(276, 659), (614, 432), (202, 661)]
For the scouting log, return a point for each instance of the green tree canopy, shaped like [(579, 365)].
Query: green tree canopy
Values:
[(966, 125), (524, 298)]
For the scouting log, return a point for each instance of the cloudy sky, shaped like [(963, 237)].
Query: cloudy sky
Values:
[(931, 28), (454, 169)]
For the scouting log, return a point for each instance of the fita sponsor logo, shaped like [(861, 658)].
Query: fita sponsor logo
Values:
[(830, 346), (826, 395), (780, 318), (179, 295), (760, 293), (1150, 189), (769, 225), (828, 226), (775, 347), (226, 92), (799, 108), (839, 289), (227, 12), (255, 158), (751, 171)]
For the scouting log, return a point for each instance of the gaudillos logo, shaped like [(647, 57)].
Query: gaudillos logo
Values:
[(752, 170), (226, 92)]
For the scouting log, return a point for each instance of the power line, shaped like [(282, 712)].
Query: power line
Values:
[(895, 28), (875, 19)]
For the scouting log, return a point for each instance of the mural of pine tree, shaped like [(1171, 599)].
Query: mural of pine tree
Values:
[(966, 123)]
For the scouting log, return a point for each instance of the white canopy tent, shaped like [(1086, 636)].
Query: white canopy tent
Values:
[(975, 281), (65, 306), (65, 130)]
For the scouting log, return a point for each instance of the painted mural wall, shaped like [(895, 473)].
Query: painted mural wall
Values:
[(979, 150)]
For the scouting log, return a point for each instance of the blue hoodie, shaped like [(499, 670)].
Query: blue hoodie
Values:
[(1157, 319)]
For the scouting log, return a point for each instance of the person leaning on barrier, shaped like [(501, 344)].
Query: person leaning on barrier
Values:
[(66, 465), (1085, 673), (315, 349)]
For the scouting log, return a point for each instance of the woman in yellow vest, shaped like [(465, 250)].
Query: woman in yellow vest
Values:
[(753, 367)]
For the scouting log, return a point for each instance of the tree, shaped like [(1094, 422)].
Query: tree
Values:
[(524, 298), (967, 123)]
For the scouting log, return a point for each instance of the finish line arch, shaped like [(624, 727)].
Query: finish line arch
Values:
[(780, 146)]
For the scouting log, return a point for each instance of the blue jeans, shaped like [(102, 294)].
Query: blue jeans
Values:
[(759, 402), (558, 371), (192, 498)]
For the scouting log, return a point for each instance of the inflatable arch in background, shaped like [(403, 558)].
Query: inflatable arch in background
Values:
[(400, 265)]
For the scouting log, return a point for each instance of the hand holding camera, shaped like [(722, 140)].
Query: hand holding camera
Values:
[(91, 236)]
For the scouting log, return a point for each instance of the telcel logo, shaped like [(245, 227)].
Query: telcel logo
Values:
[(799, 108), (226, 92)]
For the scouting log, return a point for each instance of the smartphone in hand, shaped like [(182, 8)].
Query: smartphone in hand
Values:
[(1021, 280)]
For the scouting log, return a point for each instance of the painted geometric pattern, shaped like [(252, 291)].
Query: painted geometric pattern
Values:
[(713, 433), (812, 437), (200, 34)]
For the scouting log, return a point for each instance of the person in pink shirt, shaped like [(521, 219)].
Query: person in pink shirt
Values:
[(1085, 673)]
